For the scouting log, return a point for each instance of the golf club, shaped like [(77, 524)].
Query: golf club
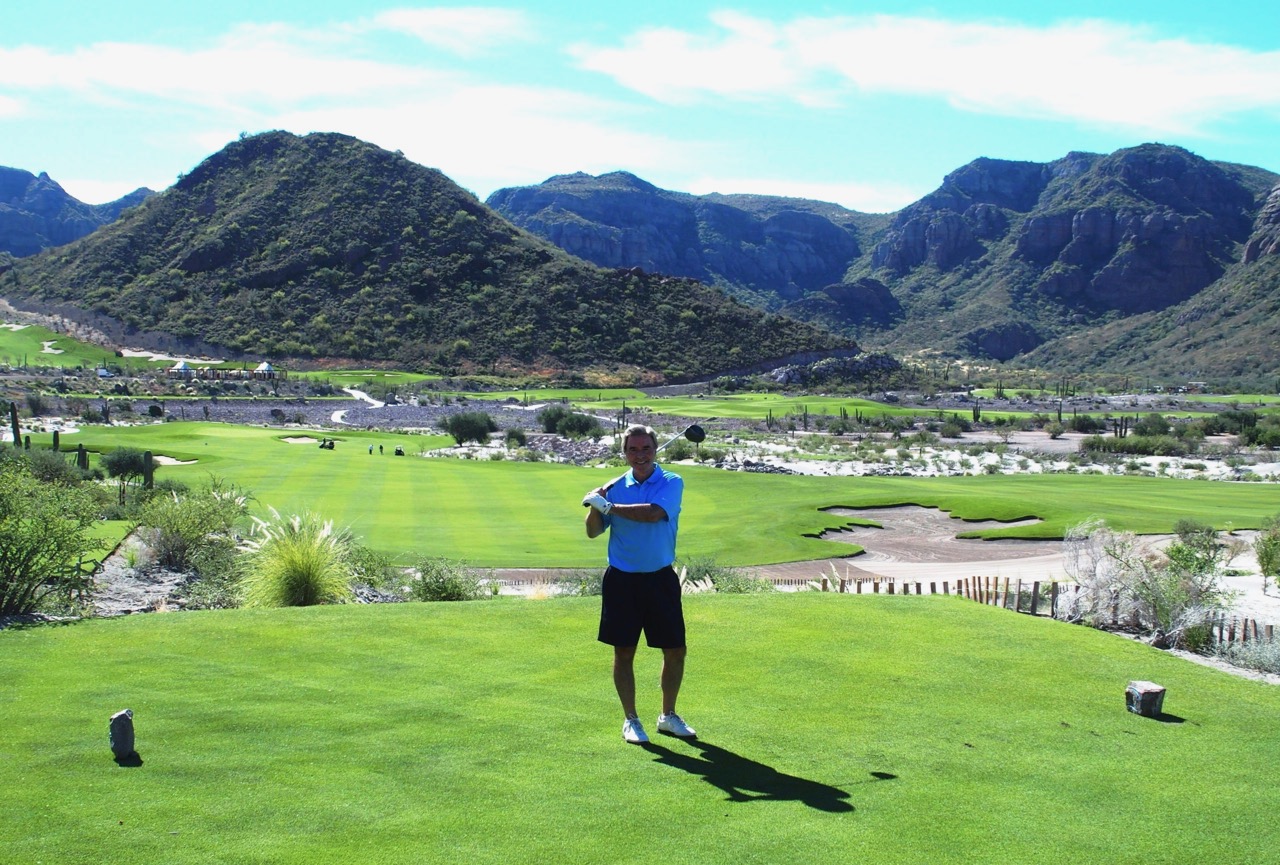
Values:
[(693, 432)]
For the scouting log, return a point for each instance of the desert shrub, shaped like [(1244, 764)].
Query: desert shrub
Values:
[(51, 467), (586, 582), (214, 584), (44, 538), (176, 525), (951, 430), (1254, 655), (515, 438), (154, 410), (295, 562), (1168, 595), (441, 579), (1085, 423), (723, 578), (469, 426), (562, 420), (678, 450), (372, 568)]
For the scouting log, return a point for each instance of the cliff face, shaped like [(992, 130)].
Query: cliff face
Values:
[(774, 246), (1135, 231), (36, 213), (1265, 239)]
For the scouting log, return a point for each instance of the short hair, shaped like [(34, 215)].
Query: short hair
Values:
[(639, 429)]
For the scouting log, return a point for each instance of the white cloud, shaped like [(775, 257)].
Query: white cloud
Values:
[(1095, 72), (864, 197), (252, 66), (10, 107), (463, 30), (750, 59), (485, 137)]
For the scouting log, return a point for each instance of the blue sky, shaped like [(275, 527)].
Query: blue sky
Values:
[(866, 104)]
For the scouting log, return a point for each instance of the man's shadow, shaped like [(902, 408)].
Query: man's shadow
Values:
[(745, 780)]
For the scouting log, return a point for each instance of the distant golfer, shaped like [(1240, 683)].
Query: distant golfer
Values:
[(641, 511)]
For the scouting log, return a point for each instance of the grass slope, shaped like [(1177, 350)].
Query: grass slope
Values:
[(509, 514), (834, 728)]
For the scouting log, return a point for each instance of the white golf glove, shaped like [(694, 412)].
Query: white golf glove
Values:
[(598, 502)]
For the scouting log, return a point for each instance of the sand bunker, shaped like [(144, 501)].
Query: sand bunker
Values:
[(170, 461), (46, 347), (299, 440), (917, 534)]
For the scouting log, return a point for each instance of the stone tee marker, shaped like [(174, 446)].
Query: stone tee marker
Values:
[(122, 736), (1144, 698)]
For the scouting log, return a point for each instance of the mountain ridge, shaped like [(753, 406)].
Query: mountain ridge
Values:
[(1005, 260), (325, 246)]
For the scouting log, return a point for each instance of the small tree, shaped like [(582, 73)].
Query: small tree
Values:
[(1267, 548), (469, 426), (125, 465)]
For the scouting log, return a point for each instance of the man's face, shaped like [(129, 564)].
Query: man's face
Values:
[(639, 451)]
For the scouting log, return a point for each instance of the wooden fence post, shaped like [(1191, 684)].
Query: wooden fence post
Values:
[(1053, 599), (1035, 597)]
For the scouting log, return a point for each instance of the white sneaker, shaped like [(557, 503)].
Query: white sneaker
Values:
[(676, 726), (633, 732)]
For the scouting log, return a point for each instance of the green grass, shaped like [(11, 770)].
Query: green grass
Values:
[(27, 346), (840, 729), (17, 346), (507, 514), (354, 377)]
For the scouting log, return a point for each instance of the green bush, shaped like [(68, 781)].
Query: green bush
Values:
[(44, 538), (561, 420), (725, 579), (515, 438), (441, 579), (469, 426), (178, 525), (586, 582), (296, 562)]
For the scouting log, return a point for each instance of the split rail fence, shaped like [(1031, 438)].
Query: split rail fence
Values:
[(1033, 598)]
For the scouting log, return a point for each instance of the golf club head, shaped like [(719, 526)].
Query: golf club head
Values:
[(695, 434)]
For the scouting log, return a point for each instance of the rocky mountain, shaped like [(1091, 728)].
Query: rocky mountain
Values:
[(326, 246), (36, 213), (1011, 261), (766, 249)]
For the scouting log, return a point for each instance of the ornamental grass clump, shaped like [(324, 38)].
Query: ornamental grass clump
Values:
[(296, 562)]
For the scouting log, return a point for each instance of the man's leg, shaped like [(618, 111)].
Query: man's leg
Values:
[(624, 678), (672, 676)]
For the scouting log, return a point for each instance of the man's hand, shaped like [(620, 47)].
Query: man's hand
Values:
[(597, 501)]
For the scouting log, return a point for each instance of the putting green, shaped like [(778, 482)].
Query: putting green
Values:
[(513, 514)]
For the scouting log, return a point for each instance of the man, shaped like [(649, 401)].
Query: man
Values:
[(641, 512)]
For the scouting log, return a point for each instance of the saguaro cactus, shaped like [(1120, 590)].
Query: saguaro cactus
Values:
[(13, 422)]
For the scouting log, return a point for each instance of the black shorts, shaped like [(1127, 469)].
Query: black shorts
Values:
[(635, 602)]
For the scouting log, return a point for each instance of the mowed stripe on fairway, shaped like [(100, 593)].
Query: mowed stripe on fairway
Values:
[(528, 515)]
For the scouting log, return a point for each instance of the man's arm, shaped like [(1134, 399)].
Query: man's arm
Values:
[(595, 523), (639, 513)]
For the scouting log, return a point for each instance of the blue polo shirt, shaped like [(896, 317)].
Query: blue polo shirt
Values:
[(643, 547)]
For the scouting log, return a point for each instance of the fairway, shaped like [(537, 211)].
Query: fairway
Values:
[(528, 515), (842, 729)]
